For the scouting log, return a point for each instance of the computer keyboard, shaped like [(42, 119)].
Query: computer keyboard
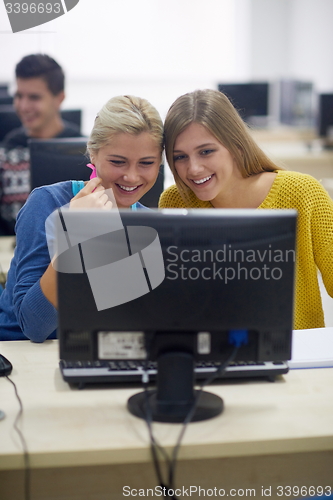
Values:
[(127, 372)]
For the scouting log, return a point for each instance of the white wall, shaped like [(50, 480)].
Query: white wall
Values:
[(292, 38), (155, 48), (312, 42), (145, 39), (160, 49), (270, 39)]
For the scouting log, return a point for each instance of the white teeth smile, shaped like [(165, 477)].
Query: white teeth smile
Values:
[(201, 181), (127, 188)]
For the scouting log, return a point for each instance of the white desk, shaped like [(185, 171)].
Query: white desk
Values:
[(317, 164), (296, 149), (312, 348), (85, 444)]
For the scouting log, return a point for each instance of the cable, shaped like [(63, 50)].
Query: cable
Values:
[(190, 414), (236, 339), (23, 443), (154, 445)]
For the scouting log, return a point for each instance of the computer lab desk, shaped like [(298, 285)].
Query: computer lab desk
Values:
[(84, 444)]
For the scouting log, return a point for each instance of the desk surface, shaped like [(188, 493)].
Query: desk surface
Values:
[(67, 427)]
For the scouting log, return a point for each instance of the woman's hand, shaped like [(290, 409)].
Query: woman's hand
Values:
[(93, 195)]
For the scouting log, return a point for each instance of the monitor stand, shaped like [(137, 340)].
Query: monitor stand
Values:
[(175, 394)]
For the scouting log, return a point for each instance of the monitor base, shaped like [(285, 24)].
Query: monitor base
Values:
[(208, 406)]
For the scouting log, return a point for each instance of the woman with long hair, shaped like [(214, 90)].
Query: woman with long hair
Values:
[(217, 164)]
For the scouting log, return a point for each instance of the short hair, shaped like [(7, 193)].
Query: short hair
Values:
[(125, 114), (42, 66), (213, 110)]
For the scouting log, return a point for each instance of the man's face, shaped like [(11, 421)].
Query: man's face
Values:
[(35, 105)]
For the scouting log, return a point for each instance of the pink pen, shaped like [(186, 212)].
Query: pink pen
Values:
[(93, 168)]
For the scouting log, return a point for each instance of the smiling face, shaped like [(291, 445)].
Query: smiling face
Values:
[(204, 164), (36, 106), (129, 165)]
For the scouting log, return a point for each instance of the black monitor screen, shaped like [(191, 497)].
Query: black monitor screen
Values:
[(9, 119), (5, 99), (72, 116), (325, 115), (56, 160), (250, 99), (186, 279)]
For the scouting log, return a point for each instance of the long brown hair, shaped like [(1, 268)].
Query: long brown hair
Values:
[(213, 110)]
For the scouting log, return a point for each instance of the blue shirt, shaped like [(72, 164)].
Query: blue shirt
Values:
[(25, 312)]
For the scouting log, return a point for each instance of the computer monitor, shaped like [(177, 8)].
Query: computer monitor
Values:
[(181, 283), (250, 99), (56, 160), (325, 119), (5, 98), (72, 116), (296, 100), (9, 119)]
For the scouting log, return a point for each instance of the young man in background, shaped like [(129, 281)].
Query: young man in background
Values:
[(37, 100)]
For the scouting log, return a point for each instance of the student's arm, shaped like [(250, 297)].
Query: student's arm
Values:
[(48, 285), (33, 278), (322, 234), (36, 316), (91, 196)]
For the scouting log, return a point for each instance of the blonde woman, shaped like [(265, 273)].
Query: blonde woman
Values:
[(217, 164), (125, 149)]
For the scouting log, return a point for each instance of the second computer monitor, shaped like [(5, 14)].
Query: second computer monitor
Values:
[(296, 103), (9, 119), (325, 119), (56, 160), (250, 99)]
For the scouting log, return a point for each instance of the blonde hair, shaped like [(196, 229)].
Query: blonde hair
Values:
[(125, 114), (213, 110)]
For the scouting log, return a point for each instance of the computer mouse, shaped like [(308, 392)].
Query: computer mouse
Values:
[(5, 366)]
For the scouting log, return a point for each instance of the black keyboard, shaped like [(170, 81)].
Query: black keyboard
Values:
[(117, 372)]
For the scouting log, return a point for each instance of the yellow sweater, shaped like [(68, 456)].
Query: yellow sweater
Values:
[(314, 237)]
